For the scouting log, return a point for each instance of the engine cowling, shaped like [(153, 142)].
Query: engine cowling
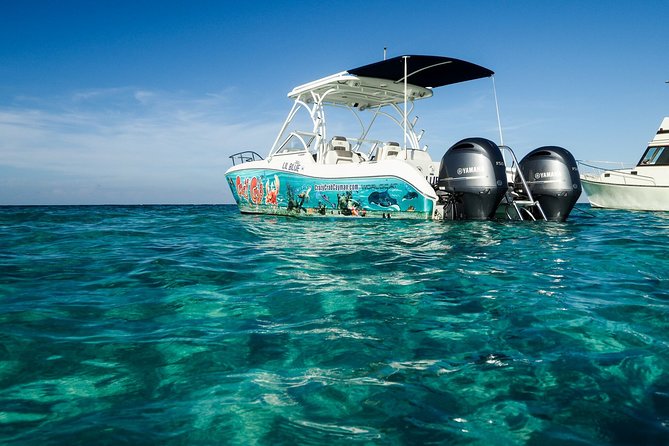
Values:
[(552, 177), (472, 172)]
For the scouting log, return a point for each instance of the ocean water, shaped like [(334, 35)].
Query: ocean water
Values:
[(195, 325)]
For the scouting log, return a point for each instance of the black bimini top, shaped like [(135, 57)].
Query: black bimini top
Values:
[(424, 71), (382, 83)]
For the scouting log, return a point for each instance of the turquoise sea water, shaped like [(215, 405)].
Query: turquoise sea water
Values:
[(180, 325)]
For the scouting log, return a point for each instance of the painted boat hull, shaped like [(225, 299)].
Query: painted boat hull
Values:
[(353, 192), (626, 196)]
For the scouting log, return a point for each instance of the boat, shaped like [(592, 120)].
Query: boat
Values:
[(644, 187), (377, 168)]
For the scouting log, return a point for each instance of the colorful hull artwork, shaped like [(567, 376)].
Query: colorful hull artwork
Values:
[(275, 192)]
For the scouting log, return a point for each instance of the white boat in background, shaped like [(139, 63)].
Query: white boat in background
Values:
[(643, 188), (376, 166)]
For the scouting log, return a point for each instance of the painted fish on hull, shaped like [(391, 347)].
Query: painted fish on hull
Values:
[(381, 199)]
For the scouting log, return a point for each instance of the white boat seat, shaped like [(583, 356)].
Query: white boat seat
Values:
[(340, 152), (415, 155), (420, 159), (340, 143), (388, 151)]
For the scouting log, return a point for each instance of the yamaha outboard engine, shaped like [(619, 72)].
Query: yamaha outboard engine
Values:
[(472, 172), (552, 177)]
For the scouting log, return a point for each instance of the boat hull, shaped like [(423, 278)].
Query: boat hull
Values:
[(626, 196), (278, 192)]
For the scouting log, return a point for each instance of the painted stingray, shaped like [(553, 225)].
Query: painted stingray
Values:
[(382, 199), (409, 196)]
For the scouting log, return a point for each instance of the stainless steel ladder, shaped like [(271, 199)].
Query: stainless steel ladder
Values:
[(524, 203)]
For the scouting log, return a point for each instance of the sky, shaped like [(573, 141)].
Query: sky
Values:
[(143, 102)]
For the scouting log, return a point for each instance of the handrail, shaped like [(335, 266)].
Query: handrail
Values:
[(585, 163), (245, 157), (526, 188), (518, 171), (597, 171)]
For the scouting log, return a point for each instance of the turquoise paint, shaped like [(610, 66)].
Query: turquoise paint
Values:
[(268, 191)]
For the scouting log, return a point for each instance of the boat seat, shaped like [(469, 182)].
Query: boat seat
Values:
[(340, 152), (415, 155), (340, 143), (420, 159), (388, 151)]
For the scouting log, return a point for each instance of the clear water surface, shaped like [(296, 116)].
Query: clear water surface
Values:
[(193, 325)]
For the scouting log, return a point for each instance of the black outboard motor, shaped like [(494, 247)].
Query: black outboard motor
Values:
[(552, 177), (473, 174)]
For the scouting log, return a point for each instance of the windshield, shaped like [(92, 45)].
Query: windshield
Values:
[(297, 142), (655, 156)]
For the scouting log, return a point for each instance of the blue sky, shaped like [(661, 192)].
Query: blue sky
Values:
[(131, 102)]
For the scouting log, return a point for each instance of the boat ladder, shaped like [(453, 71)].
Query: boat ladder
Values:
[(521, 201)]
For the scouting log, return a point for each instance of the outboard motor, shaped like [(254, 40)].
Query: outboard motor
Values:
[(552, 177), (472, 172)]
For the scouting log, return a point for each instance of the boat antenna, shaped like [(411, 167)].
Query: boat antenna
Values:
[(404, 121), (499, 122)]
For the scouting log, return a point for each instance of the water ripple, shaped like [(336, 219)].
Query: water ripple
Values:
[(180, 325)]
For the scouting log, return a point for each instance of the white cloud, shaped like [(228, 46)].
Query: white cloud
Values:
[(124, 146)]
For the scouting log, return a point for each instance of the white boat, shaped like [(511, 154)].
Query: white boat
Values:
[(378, 168), (644, 187)]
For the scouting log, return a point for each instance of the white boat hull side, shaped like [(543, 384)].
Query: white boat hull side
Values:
[(625, 196)]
